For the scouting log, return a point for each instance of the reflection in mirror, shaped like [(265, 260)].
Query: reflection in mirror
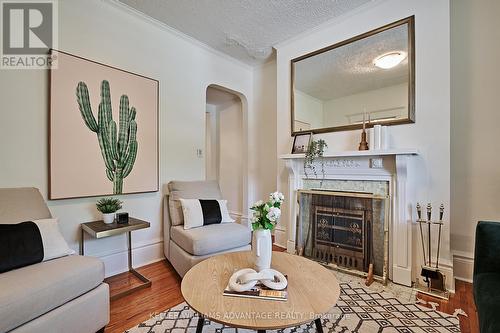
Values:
[(370, 75)]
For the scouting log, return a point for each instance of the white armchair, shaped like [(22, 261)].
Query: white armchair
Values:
[(185, 248)]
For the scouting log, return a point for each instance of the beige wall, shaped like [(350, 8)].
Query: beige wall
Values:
[(475, 117), (262, 170), (230, 154)]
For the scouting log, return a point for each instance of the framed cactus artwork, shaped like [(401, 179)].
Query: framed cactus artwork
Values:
[(103, 129)]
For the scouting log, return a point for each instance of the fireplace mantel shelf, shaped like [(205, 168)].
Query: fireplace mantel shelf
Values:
[(357, 153)]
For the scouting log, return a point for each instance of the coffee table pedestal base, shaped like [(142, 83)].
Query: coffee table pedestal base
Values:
[(201, 322)]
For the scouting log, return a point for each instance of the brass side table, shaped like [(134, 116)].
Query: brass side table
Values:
[(99, 229)]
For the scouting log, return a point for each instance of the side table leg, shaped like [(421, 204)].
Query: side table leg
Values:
[(201, 322), (129, 237), (145, 281), (82, 247), (319, 326)]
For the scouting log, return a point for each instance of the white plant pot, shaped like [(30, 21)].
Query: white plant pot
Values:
[(108, 218), (262, 249)]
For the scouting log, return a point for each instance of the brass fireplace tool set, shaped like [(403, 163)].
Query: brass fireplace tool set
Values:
[(435, 280)]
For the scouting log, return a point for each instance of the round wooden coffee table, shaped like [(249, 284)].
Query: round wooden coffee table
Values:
[(312, 291)]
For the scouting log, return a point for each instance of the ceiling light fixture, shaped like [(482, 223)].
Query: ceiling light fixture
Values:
[(389, 60)]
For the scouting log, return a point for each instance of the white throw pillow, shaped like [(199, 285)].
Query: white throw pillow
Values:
[(54, 245), (201, 212)]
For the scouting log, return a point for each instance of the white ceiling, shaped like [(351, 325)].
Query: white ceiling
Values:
[(244, 29), (349, 69)]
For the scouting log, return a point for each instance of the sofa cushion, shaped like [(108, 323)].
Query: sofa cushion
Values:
[(201, 212), (487, 301), (211, 238), (31, 291), (208, 189)]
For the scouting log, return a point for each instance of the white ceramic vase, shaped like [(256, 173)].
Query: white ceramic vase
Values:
[(262, 249), (108, 218)]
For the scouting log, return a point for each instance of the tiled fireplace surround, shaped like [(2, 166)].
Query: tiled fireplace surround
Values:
[(359, 171)]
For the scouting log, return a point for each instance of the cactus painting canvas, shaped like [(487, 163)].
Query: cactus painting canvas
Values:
[(118, 150), (104, 130)]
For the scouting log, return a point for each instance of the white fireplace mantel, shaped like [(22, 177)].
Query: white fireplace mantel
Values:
[(393, 166), (358, 153)]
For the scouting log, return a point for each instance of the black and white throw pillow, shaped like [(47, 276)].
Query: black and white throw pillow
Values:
[(200, 212), (30, 242)]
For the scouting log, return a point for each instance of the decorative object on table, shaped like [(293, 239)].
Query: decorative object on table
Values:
[(267, 284), (108, 207), (379, 137), (103, 130), (315, 152), (122, 218), (246, 279), (301, 143), (264, 219), (435, 280), (363, 145)]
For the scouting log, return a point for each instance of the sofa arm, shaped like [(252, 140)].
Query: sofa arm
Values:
[(487, 248)]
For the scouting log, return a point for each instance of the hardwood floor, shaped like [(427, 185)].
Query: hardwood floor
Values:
[(165, 292), (462, 299)]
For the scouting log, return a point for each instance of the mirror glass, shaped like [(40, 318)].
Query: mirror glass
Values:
[(368, 76)]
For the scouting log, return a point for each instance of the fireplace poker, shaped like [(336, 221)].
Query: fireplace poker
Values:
[(419, 216), (429, 216), (441, 213)]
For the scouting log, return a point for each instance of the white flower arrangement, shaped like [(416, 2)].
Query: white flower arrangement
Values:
[(266, 214)]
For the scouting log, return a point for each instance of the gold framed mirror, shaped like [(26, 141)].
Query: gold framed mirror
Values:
[(370, 76)]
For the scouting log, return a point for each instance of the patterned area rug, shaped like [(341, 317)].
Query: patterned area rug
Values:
[(358, 310)]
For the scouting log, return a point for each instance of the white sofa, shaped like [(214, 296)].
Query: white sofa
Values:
[(57, 296), (185, 248)]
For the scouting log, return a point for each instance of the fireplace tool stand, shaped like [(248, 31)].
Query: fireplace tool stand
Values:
[(435, 280)]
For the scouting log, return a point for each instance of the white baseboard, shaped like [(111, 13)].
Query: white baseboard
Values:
[(401, 275), (142, 255), (463, 265)]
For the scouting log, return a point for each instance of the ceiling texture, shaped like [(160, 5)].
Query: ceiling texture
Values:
[(244, 29)]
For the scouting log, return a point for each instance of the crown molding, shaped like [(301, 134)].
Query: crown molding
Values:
[(334, 21), (138, 14)]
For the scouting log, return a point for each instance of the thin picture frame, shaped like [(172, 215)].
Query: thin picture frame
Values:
[(301, 143)]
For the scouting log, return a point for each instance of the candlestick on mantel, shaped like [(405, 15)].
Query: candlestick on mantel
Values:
[(363, 145)]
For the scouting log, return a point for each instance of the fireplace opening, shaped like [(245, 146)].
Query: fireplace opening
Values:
[(346, 230)]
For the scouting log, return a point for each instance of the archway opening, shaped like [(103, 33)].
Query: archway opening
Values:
[(225, 145)]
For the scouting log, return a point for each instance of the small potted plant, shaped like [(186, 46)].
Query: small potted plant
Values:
[(108, 207), (264, 219)]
